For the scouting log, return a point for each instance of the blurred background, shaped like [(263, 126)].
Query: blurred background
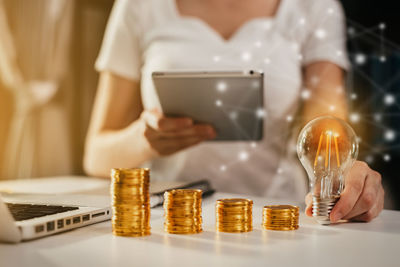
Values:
[(48, 83)]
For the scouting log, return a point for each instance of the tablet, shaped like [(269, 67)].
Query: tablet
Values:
[(231, 101)]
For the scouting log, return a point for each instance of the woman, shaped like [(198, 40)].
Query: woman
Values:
[(295, 42)]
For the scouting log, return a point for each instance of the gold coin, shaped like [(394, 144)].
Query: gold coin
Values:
[(281, 207), (179, 232), (234, 215), (182, 211), (130, 201), (282, 228), (234, 201), (184, 192), (235, 230), (131, 234), (280, 217)]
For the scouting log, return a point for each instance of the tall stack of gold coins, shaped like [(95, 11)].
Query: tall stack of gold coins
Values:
[(182, 211), (234, 215), (130, 202), (280, 217)]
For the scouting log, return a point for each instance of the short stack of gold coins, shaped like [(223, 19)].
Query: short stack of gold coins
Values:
[(280, 217), (130, 202), (182, 211), (234, 215)]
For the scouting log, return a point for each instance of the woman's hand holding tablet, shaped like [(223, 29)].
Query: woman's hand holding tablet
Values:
[(166, 135)]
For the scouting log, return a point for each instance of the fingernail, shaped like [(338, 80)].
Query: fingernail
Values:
[(337, 217), (308, 211)]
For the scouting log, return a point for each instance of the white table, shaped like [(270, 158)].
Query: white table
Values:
[(349, 244)]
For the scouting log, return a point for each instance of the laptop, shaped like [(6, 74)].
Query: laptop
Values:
[(30, 216)]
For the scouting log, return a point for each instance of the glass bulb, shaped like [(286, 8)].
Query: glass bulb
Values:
[(327, 147)]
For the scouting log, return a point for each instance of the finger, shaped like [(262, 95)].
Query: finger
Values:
[(354, 184), (368, 197), (159, 122), (175, 145), (199, 130), (373, 212), (308, 210)]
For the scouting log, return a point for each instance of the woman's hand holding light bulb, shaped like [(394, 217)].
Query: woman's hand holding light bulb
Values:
[(341, 187), (362, 198)]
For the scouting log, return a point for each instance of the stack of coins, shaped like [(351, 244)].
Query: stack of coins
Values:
[(182, 211), (130, 202), (281, 217), (234, 215)]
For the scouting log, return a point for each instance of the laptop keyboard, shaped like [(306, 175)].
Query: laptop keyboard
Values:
[(22, 212)]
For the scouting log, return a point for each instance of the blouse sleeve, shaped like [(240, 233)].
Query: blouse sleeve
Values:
[(326, 40), (120, 51)]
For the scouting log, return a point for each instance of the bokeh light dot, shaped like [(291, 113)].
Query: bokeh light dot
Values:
[(360, 59), (216, 58), (233, 115), (369, 159), (243, 156), (390, 135), (351, 31), (305, 94), (389, 99), (258, 44), (260, 113), (339, 90), (246, 56), (354, 117), (267, 25), (377, 117), (320, 33), (386, 157), (300, 57), (221, 86), (255, 84)]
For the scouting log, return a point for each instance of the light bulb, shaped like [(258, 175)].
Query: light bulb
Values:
[(327, 147)]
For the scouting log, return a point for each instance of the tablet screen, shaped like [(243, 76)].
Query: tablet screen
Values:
[(232, 102)]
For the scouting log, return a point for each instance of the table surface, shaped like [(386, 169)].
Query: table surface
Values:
[(347, 244)]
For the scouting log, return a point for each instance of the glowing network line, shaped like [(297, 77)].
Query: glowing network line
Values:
[(355, 32)]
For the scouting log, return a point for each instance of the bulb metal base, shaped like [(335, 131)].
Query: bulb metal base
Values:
[(321, 209)]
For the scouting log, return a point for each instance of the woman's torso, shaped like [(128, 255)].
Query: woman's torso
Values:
[(176, 42)]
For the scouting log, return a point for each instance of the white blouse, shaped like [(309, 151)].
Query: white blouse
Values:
[(143, 36)]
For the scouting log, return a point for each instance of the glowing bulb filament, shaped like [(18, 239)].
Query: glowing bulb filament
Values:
[(327, 150), (337, 152), (318, 150)]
